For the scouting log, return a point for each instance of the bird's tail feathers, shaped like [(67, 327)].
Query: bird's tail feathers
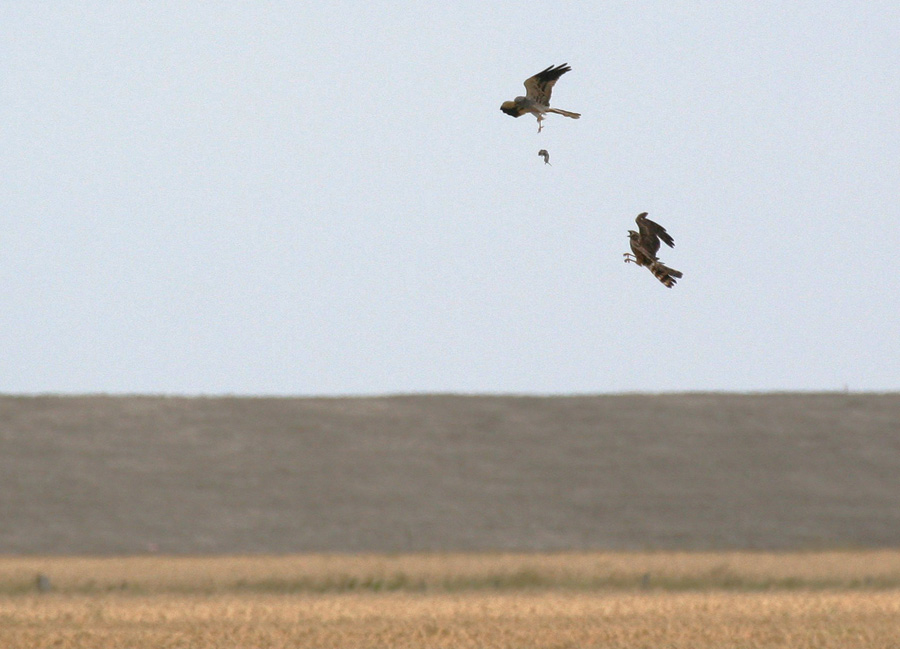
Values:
[(665, 274), (564, 112)]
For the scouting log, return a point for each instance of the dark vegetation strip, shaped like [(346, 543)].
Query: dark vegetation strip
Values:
[(518, 581)]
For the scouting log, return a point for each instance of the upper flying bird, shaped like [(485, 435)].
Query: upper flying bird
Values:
[(645, 245), (537, 96)]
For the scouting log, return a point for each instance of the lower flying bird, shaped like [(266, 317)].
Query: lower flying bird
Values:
[(645, 245), (537, 96)]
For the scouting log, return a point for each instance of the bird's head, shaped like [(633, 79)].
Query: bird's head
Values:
[(632, 234), (510, 108)]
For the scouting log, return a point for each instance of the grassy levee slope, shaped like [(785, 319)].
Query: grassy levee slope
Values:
[(124, 475)]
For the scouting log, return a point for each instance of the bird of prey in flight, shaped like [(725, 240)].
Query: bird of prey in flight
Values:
[(546, 156), (645, 245), (537, 96)]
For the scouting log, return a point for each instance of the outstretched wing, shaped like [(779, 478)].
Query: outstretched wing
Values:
[(539, 87), (651, 233)]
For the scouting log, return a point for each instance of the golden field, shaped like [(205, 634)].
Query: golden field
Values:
[(475, 619), (828, 599), (318, 573)]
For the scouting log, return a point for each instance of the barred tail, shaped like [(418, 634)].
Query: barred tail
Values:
[(564, 112), (665, 274)]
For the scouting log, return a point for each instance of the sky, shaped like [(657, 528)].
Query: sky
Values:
[(289, 198)]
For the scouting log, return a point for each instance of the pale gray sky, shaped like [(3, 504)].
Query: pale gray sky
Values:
[(324, 198)]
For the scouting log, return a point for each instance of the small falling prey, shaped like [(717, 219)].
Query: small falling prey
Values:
[(546, 156)]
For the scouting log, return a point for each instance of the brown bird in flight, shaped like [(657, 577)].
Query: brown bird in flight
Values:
[(645, 245), (537, 96)]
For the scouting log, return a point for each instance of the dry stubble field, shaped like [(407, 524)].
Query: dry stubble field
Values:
[(696, 600)]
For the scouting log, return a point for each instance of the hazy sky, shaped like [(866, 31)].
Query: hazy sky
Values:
[(324, 198)]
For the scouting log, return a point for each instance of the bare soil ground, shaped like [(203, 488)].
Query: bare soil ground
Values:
[(124, 475)]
